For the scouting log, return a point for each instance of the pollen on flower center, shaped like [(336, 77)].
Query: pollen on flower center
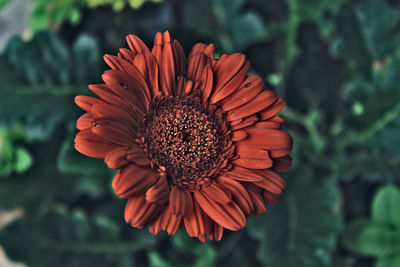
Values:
[(184, 137)]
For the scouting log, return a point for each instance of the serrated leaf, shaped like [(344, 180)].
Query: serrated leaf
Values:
[(385, 206), (67, 239), (300, 230)]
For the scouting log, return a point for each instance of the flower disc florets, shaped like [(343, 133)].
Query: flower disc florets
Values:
[(185, 138)]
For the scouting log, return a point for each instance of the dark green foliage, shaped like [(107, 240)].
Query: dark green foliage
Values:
[(379, 236), (60, 238), (290, 234), (225, 22), (40, 79), (337, 62)]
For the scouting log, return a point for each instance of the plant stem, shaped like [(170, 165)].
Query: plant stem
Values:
[(373, 129)]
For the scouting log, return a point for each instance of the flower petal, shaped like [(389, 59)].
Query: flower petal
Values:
[(227, 215), (238, 136), (159, 192), (248, 90), (114, 131), (134, 180), (136, 44), (216, 193), (252, 158), (86, 102), (242, 174), (116, 158), (272, 181), (272, 110), (223, 90), (136, 155), (92, 145), (140, 213), (267, 139), (167, 221), (84, 122), (239, 193), (260, 102), (181, 202), (282, 164), (120, 64)]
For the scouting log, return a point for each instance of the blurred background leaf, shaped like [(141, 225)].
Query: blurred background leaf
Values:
[(336, 62)]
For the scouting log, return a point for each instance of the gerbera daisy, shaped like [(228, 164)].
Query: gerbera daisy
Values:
[(196, 140)]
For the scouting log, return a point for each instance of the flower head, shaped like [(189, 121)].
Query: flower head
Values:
[(196, 140)]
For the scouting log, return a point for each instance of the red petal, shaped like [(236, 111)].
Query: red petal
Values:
[(105, 93), (84, 122), (267, 125), (248, 90), (106, 111), (86, 102), (269, 198), (273, 109), (136, 44), (267, 139), (258, 202), (159, 192), (260, 102), (134, 180), (92, 145), (226, 67), (272, 182), (244, 122), (114, 131), (120, 64), (128, 90), (126, 54), (282, 164), (239, 193), (136, 155), (140, 213), (202, 48), (228, 215), (147, 65), (243, 174), (181, 202), (167, 221), (216, 193), (215, 232), (238, 136), (116, 158), (231, 86), (252, 158)]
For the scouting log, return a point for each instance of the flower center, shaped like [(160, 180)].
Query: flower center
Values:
[(184, 137)]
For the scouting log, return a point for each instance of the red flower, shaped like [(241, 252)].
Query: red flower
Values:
[(196, 140)]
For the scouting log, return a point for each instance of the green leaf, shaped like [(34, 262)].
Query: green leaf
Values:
[(49, 14), (205, 254), (300, 230), (68, 239), (385, 206), (156, 260), (393, 261), (224, 22), (23, 160), (371, 239), (40, 79)]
